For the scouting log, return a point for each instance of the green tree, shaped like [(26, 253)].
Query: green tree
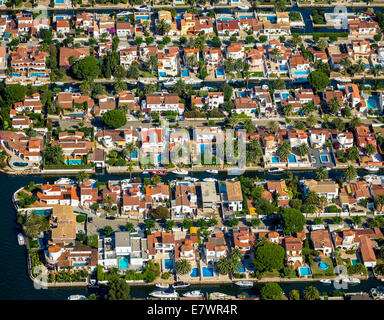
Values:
[(108, 230), (160, 212), (183, 266), (294, 295), (293, 220), (114, 118), (87, 68), (311, 293), (350, 173), (318, 80), (82, 175), (118, 289), (284, 150), (269, 256), (271, 291), (321, 174)]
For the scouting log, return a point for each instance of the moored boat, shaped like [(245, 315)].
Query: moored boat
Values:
[(20, 239), (326, 281), (209, 179), (170, 293), (244, 284), (372, 169), (193, 294), (351, 280), (77, 297), (162, 285), (180, 284), (213, 171), (275, 170), (180, 172)]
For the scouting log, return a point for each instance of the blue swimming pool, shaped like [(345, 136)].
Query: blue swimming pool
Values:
[(59, 1), (134, 154), (219, 72), (168, 264), (324, 158), (354, 262), (305, 271), (323, 266), (42, 212), (207, 272), (184, 73), (195, 273), (301, 73), (123, 263), (285, 95), (275, 159), (37, 74), (246, 16), (241, 94), (76, 114), (242, 268), (292, 158), (371, 102), (73, 161), (20, 164), (271, 18), (79, 264), (15, 74), (162, 74), (283, 68), (225, 18)]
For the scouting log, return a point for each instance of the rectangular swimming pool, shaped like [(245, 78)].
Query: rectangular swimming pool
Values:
[(371, 102), (275, 159), (305, 271), (354, 262), (184, 73), (324, 158), (207, 272), (123, 263), (301, 73), (292, 158), (195, 273), (219, 72), (73, 161), (168, 264)]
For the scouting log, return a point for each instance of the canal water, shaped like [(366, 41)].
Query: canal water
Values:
[(16, 285)]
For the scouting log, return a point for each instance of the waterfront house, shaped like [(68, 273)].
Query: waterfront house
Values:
[(187, 248), (185, 203), (232, 197), (328, 189), (318, 137), (342, 140), (152, 145), (117, 138), (161, 245), (245, 106), (321, 241), (279, 189), (363, 27), (88, 193), (293, 249), (367, 253), (168, 62), (62, 194), (62, 27), (214, 248), (124, 29), (28, 148)]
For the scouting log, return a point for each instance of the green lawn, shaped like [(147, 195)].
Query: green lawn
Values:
[(318, 272)]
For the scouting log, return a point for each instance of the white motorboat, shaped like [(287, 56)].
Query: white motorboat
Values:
[(169, 82), (209, 8), (142, 8), (77, 297), (206, 88), (193, 81), (209, 179), (180, 284), (243, 7), (20, 239), (244, 284), (193, 294), (124, 13), (275, 170), (326, 281), (64, 181), (371, 177), (165, 294), (213, 171), (162, 285), (351, 280), (372, 169), (328, 168), (180, 172), (194, 179), (343, 79)]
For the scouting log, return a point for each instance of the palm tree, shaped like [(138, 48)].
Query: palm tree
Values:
[(350, 173), (131, 147), (183, 266), (311, 121), (273, 126), (236, 254), (370, 149), (275, 54), (192, 62), (377, 69), (296, 39), (346, 63), (322, 45), (360, 66), (81, 176), (284, 150), (321, 174), (130, 169), (287, 109), (303, 149)]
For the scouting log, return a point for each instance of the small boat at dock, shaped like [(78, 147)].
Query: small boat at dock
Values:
[(162, 285), (275, 170), (213, 171), (326, 281), (20, 239), (180, 285), (180, 172), (372, 169), (77, 297), (244, 284), (193, 294), (170, 293)]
